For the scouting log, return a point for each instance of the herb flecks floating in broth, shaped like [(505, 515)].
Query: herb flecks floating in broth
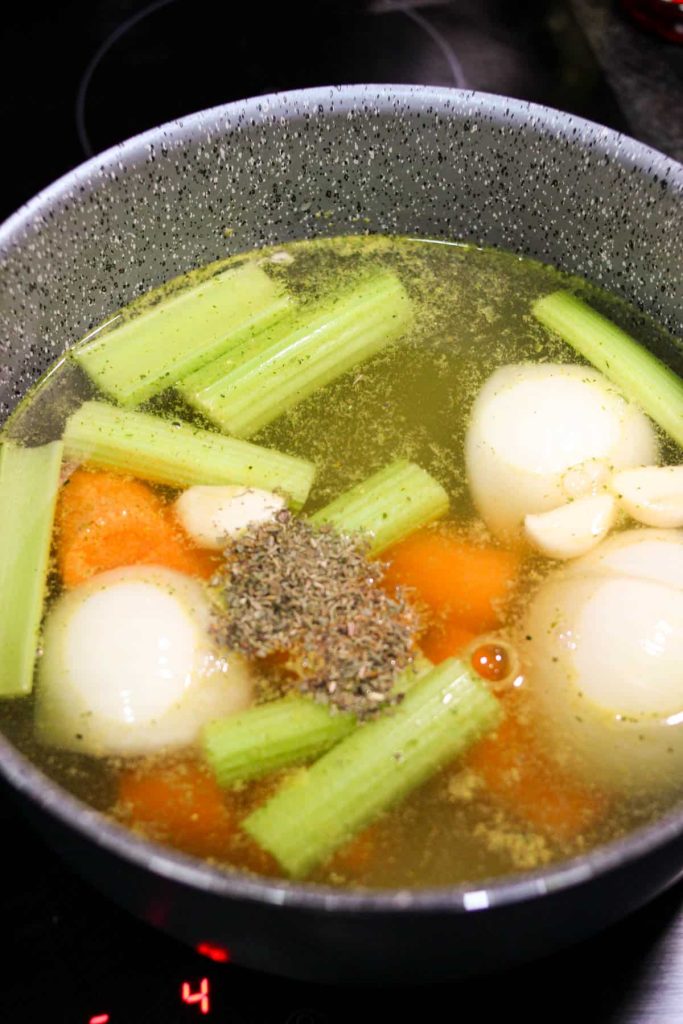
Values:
[(402, 400)]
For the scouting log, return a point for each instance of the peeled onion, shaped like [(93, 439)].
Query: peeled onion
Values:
[(603, 651), (543, 434), (128, 666)]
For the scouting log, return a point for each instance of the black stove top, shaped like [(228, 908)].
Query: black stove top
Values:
[(75, 958), (80, 76)]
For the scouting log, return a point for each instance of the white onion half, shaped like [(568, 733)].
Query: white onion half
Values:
[(128, 666), (603, 651), (541, 434)]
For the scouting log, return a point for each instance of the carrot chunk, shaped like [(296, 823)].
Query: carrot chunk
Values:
[(180, 803), (445, 640), (531, 786), (105, 521), (356, 855), (463, 586)]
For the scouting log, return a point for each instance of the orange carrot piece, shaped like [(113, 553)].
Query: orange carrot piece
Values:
[(456, 579), (180, 803), (527, 782), (445, 640), (105, 521), (245, 853), (355, 855)]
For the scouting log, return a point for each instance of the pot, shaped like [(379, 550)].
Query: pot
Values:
[(436, 163)]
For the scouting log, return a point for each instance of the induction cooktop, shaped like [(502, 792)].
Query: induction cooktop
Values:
[(82, 75)]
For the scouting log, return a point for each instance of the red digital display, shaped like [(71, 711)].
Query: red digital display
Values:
[(200, 997), (101, 1018), (217, 953)]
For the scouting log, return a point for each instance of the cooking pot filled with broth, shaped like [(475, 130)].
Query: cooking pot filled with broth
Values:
[(342, 528)]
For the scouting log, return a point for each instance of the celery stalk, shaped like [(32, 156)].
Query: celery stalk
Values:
[(29, 482), (640, 375), (282, 733), (323, 806), (201, 388), (179, 454), (271, 736), (290, 361), (387, 506), (148, 352)]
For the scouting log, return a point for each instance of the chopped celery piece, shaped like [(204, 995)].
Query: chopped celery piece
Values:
[(323, 806), (148, 352), (281, 733), (291, 360), (388, 506), (200, 388), (179, 454), (271, 736), (29, 482), (643, 379)]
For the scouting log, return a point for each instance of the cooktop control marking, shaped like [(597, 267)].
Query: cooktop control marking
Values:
[(200, 997), (217, 953)]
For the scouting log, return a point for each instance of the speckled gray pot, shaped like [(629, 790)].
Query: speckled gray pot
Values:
[(423, 161)]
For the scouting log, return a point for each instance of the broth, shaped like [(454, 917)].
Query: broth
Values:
[(412, 401)]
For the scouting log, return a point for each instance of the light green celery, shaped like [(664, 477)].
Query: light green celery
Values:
[(179, 454), (640, 375), (324, 806), (388, 506), (148, 352), (29, 481), (203, 384), (281, 733), (290, 361), (271, 736)]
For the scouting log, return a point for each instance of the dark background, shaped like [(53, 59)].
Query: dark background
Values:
[(80, 76)]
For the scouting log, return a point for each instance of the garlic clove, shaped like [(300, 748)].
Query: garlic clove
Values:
[(573, 529), (212, 515), (652, 495)]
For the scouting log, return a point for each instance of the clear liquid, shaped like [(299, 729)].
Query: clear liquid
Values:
[(413, 401)]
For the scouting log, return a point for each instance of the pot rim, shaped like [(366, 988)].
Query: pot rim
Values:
[(381, 97), (33, 784)]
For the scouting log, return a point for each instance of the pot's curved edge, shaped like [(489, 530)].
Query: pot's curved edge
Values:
[(30, 782), (383, 97)]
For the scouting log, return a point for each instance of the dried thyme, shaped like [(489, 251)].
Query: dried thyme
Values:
[(287, 586)]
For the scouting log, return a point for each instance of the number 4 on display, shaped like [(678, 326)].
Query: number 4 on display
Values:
[(200, 998)]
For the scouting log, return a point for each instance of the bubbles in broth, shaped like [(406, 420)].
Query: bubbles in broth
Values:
[(363, 568)]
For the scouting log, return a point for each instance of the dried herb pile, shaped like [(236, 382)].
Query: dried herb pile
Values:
[(287, 586)]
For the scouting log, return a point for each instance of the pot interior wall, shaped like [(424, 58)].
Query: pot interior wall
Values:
[(434, 163)]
